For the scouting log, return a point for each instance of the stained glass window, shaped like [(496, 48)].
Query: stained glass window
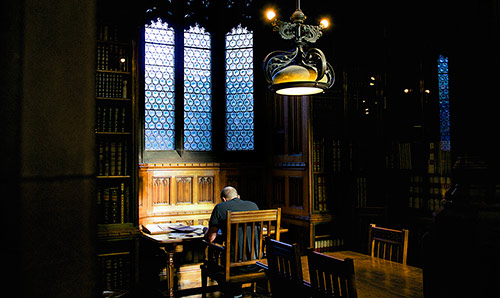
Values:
[(160, 93), (159, 130), (239, 90), (444, 102), (197, 90)]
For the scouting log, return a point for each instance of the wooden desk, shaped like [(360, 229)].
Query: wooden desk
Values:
[(376, 277), (169, 246)]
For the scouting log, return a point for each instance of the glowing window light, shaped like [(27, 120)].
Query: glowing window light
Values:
[(444, 102)]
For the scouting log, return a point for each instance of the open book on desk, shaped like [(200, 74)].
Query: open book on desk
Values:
[(165, 228)]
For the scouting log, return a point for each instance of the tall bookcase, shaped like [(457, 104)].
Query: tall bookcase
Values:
[(116, 163), (297, 181)]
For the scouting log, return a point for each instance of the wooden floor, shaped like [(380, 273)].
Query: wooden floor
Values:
[(190, 277)]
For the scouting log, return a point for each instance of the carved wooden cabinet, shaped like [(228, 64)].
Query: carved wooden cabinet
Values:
[(183, 192), (188, 192)]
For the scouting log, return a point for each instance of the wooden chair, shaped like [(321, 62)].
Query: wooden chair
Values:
[(388, 244), (284, 270), (330, 276), (233, 262)]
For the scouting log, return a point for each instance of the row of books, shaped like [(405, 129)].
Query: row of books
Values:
[(112, 57), (330, 155), (438, 185), (399, 156), (112, 118), (428, 196), (111, 85), (115, 271), (361, 193), (320, 196), (325, 191), (107, 32), (113, 203), (318, 156), (326, 245), (439, 160), (113, 158)]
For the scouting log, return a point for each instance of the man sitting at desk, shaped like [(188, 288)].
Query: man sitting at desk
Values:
[(230, 201)]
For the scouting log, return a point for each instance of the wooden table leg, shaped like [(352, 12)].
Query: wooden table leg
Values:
[(170, 272)]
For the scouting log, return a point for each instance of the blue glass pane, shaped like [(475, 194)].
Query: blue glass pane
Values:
[(444, 102), (239, 90), (159, 130), (197, 90)]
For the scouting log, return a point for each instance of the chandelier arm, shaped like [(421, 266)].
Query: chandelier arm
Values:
[(320, 61), (330, 72), (277, 60)]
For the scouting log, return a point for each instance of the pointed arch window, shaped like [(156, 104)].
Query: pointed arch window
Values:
[(239, 90), (163, 129), (159, 86), (197, 90)]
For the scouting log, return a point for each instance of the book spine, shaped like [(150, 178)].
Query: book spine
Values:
[(106, 205), (122, 203), (114, 217)]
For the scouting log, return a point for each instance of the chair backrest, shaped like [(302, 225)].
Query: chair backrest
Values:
[(388, 244), (245, 232), (284, 269), (330, 276)]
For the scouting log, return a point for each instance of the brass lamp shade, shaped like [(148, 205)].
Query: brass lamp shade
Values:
[(298, 80)]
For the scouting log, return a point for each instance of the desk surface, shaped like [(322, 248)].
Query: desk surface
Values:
[(172, 237), (376, 277)]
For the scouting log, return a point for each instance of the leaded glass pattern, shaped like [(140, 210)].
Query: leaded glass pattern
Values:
[(239, 90), (444, 102), (197, 90), (159, 121)]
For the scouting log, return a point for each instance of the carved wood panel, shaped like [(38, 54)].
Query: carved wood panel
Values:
[(296, 185), (184, 190), (278, 186), (161, 190), (206, 189)]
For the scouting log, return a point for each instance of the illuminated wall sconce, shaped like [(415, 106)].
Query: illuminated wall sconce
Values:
[(299, 71)]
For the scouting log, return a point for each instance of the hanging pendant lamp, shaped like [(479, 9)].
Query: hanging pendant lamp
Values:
[(300, 71)]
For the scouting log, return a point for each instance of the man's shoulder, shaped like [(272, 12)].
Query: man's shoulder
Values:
[(237, 204), (246, 205)]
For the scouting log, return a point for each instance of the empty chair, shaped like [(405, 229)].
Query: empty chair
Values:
[(330, 276), (284, 269), (388, 244)]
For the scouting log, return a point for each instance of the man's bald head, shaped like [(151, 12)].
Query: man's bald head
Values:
[(229, 193)]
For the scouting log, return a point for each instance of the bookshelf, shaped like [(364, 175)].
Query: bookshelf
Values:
[(116, 164), (302, 180)]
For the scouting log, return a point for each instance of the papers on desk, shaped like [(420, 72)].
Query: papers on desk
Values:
[(174, 230)]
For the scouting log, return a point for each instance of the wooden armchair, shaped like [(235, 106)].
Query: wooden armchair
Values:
[(233, 262), (388, 244), (330, 276), (284, 270)]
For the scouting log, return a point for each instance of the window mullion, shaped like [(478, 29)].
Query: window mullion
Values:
[(179, 90)]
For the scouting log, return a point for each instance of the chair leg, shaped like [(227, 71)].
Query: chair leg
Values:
[(204, 281), (254, 288)]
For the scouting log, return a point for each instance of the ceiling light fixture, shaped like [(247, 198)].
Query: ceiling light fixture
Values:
[(300, 71)]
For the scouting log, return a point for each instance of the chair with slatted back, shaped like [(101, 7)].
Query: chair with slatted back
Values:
[(284, 269), (233, 262), (330, 276), (388, 244)]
